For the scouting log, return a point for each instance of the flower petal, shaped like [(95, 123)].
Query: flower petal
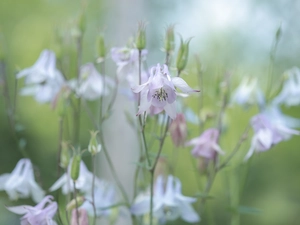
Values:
[(182, 85), (171, 110)]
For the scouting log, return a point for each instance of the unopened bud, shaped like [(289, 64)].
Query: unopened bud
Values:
[(101, 46), (114, 215), (61, 103), (170, 39), (141, 37), (183, 53), (72, 204), (94, 147), (64, 155), (81, 23), (278, 32), (75, 168), (178, 130), (83, 218)]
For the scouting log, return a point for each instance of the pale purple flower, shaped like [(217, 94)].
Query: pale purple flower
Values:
[(83, 183), (90, 85), (271, 127), (20, 183), (168, 202), (105, 196), (159, 91), (41, 214), (206, 145), (178, 130), (127, 61), (42, 80), (290, 92)]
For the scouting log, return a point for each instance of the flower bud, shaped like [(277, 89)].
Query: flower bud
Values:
[(83, 217), (101, 47), (178, 130), (114, 215), (75, 168), (94, 147), (183, 53), (64, 155), (170, 39), (141, 37), (81, 23), (60, 102), (72, 204), (278, 32)]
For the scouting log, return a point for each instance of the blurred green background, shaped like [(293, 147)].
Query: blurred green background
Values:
[(233, 36)]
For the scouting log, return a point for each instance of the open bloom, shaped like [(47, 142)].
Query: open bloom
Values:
[(206, 145), (105, 196), (159, 91), (271, 127), (41, 214), (42, 80), (168, 202), (290, 92), (91, 85), (20, 182), (83, 183)]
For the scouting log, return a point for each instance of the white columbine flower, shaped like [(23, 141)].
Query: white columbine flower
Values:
[(83, 183), (271, 127), (42, 80), (41, 214), (91, 84), (20, 182), (290, 92), (247, 92), (159, 91), (168, 202), (105, 196)]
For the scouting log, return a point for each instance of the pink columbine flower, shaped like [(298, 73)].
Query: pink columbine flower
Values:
[(83, 218), (159, 91), (41, 214), (271, 127), (178, 130), (206, 145)]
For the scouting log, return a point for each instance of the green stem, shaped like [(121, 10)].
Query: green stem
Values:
[(93, 189), (75, 197)]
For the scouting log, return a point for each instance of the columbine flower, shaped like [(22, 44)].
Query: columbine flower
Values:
[(168, 202), (42, 80), (290, 92), (91, 84), (206, 145), (105, 196), (246, 93), (271, 127), (20, 182), (159, 91), (126, 60), (178, 130), (83, 183), (37, 215)]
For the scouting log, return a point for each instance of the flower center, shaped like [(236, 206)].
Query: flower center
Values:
[(160, 95)]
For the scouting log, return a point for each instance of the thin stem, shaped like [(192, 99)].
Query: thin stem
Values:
[(93, 188), (200, 83), (75, 197), (60, 138)]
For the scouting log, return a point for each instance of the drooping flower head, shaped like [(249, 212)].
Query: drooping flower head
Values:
[(42, 80), (168, 202), (206, 145), (290, 92), (90, 85), (20, 183), (159, 91), (271, 127), (41, 214), (83, 183)]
